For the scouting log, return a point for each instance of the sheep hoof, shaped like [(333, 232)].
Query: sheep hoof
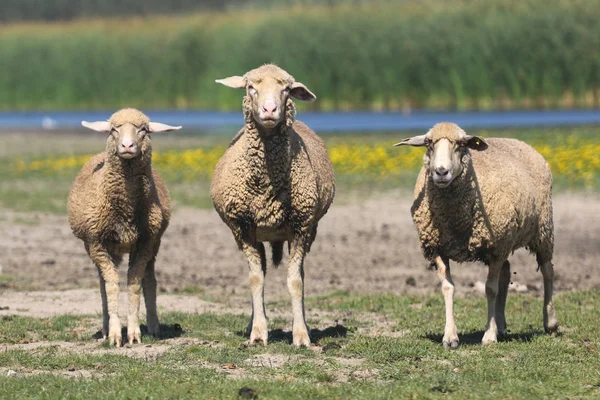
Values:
[(134, 334), (552, 328), (153, 328), (257, 342), (450, 344), (489, 338), (114, 338), (258, 337), (301, 339)]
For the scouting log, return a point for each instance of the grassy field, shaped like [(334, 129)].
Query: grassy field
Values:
[(367, 345), (379, 346), (36, 171)]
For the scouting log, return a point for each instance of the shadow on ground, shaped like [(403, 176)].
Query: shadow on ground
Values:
[(475, 337), (279, 335)]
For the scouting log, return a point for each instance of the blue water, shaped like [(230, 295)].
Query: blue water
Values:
[(320, 122)]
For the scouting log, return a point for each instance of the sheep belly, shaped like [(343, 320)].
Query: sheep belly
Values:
[(264, 234)]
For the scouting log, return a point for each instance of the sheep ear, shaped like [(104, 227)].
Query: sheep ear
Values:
[(476, 143), (416, 141), (301, 92), (158, 127), (98, 126), (236, 82)]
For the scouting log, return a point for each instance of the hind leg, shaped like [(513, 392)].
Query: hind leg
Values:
[(149, 288), (491, 292), (295, 284), (550, 321), (503, 282)]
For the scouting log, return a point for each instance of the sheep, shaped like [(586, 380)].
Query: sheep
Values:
[(482, 205), (273, 184), (118, 204)]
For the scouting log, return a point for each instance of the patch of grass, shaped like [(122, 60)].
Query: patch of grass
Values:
[(525, 364), (18, 329)]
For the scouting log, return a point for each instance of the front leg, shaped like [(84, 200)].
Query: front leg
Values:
[(257, 263), (138, 261), (491, 292), (109, 289), (295, 284), (450, 339)]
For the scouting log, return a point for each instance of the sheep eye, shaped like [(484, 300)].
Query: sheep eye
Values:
[(114, 132), (142, 131), (251, 89)]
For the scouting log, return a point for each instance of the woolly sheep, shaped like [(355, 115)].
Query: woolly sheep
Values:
[(118, 204), (483, 205), (273, 184)]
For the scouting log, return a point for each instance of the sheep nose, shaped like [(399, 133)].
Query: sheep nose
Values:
[(127, 144), (269, 106), (441, 171)]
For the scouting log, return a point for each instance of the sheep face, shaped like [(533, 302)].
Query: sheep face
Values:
[(447, 146), (268, 89), (129, 132)]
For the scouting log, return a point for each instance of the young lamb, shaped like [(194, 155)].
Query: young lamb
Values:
[(483, 205), (273, 184), (118, 204)]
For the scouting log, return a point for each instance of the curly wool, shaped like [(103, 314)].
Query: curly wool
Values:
[(129, 115), (283, 179), (500, 202)]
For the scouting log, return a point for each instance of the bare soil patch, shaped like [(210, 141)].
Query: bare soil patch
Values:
[(366, 247)]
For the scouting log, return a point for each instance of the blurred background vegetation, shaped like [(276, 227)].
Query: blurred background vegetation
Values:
[(379, 55)]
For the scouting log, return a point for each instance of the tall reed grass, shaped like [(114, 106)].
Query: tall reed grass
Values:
[(457, 54)]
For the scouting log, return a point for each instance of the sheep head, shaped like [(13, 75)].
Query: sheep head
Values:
[(268, 95), (447, 146), (129, 132)]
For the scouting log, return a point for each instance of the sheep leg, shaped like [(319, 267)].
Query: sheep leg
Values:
[(450, 339), (504, 281), (257, 262), (295, 284), (104, 306), (550, 321), (149, 288), (109, 288), (491, 292), (138, 261)]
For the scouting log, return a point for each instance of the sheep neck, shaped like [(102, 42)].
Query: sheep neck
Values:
[(269, 152), (126, 181), (457, 202)]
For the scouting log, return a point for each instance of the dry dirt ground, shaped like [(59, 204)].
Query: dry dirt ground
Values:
[(365, 247)]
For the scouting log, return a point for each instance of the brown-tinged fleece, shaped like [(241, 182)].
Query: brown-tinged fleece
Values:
[(480, 200), (273, 184), (118, 204)]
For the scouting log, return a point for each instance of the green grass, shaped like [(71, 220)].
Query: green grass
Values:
[(208, 361)]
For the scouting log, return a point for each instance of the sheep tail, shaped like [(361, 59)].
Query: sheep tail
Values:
[(277, 249)]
